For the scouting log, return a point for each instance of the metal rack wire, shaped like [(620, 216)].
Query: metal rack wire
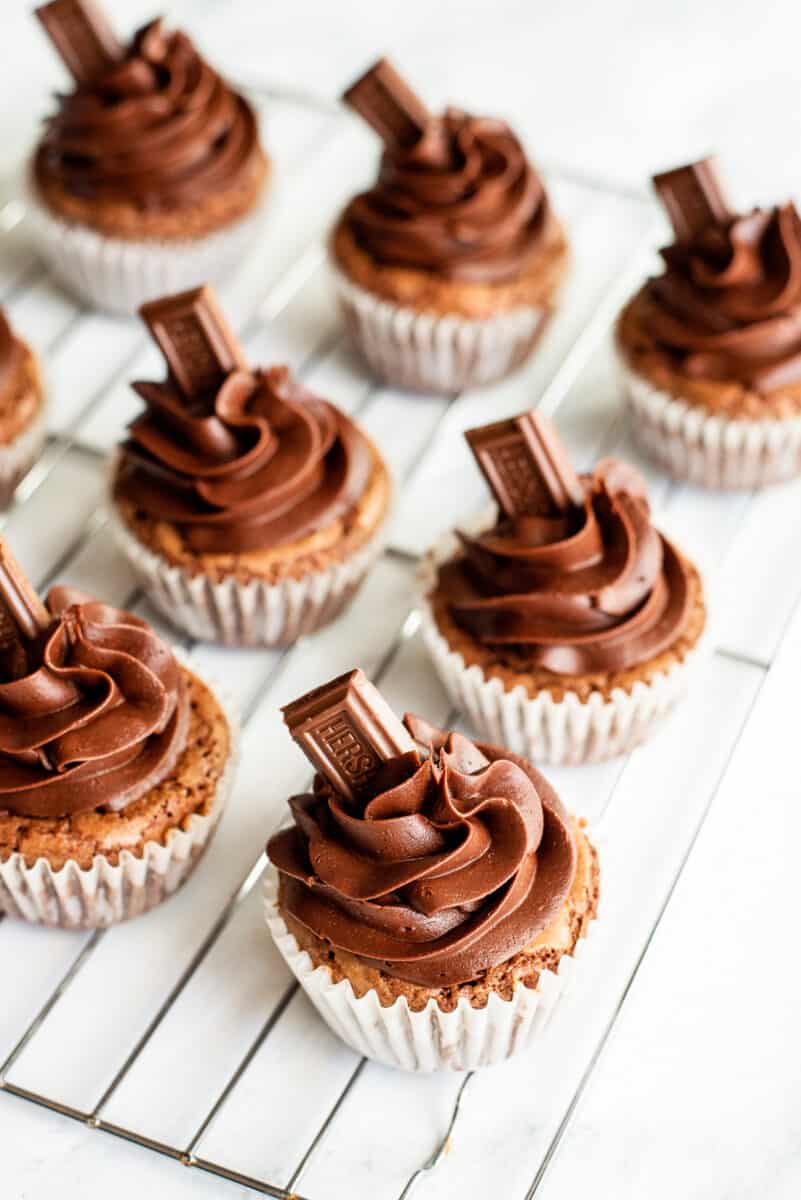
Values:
[(69, 445)]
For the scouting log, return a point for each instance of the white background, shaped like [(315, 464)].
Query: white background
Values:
[(698, 1092)]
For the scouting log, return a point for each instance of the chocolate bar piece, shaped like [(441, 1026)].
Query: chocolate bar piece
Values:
[(389, 105), (194, 337), (525, 463), (347, 730), (81, 33), (693, 197), (22, 613)]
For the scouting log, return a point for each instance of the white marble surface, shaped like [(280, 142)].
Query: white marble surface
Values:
[(696, 1092)]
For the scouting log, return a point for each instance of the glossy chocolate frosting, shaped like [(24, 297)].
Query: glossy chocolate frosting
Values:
[(598, 589), (728, 305), (260, 463), (92, 716), (159, 130), (463, 201), (458, 859)]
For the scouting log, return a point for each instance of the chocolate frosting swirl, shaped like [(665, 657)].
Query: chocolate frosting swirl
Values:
[(728, 305), (159, 130), (463, 201), (92, 717), (597, 590), (454, 864), (259, 464)]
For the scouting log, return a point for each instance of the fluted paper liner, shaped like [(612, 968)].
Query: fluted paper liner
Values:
[(541, 728), (118, 274), (256, 613), (429, 352), (75, 897), (706, 449), (428, 1040)]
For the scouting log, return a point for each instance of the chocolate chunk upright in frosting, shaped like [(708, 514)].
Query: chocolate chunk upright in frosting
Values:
[(455, 194), (236, 459), (728, 305), (149, 125), (450, 858), (575, 588), (93, 705)]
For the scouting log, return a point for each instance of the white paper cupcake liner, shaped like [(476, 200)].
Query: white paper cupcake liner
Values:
[(708, 450), (430, 353), (428, 1040), (18, 456), (256, 613), (95, 897), (541, 728), (120, 275)]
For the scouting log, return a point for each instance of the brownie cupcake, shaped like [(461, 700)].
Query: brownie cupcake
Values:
[(710, 349), (449, 265), (150, 176), (432, 892), (250, 508), (22, 411), (115, 760), (563, 624)]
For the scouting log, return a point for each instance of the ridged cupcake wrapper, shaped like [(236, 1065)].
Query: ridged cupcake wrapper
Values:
[(541, 728), (428, 1040), (431, 353), (18, 456), (708, 450), (256, 613), (106, 893), (119, 275)]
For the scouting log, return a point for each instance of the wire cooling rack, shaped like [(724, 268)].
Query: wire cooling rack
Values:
[(183, 1031)]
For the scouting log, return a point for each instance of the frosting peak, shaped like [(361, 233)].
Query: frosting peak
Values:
[(159, 129), (595, 589), (728, 305), (93, 714), (463, 200), (458, 858)]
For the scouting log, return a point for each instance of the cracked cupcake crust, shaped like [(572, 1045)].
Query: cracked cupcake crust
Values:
[(189, 789), (21, 395), (544, 953)]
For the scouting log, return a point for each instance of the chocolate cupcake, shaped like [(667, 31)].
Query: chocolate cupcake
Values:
[(449, 265), (22, 411), (565, 623), (250, 508), (432, 892), (710, 349), (150, 176), (115, 760)]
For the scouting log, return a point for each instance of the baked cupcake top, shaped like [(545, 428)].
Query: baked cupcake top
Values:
[(425, 854), (93, 706), (728, 303), (12, 353), (455, 194), (572, 577), (149, 125), (237, 459)]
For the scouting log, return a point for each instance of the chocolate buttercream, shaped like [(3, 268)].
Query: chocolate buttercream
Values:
[(462, 201), (728, 305), (258, 463), (160, 129), (455, 860), (92, 716), (597, 589)]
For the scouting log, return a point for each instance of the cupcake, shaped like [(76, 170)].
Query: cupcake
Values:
[(115, 760), (710, 349), (432, 892), (449, 265), (250, 509), (150, 175), (22, 411), (564, 623)]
